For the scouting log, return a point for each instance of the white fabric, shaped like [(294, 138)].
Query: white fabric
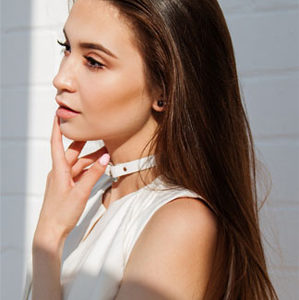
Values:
[(93, 268)]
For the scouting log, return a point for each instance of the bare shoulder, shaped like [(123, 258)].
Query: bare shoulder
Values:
[(173, 257), (182, 214)]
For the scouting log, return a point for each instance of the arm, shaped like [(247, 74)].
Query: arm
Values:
[(46, 253), (67, 190), (173, 257)]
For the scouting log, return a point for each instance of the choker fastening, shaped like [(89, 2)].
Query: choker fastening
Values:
[(129, 167)]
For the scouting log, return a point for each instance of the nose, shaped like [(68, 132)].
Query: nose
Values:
[(65, 78)]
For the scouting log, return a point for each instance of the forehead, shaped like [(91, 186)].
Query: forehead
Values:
[(99, 21)]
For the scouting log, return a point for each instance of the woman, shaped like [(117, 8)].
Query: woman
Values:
[(157, 82)]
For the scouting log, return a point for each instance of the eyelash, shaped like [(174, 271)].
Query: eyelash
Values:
[(92, 64)]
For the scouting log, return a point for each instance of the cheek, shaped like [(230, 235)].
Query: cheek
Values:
[(114, 92), (118, 106)]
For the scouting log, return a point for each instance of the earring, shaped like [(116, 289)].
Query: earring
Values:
[(160, 103)]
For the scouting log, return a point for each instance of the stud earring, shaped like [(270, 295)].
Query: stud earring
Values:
[(160, 103)]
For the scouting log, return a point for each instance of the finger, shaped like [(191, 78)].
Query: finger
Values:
[(86, 161), (57, 150), (78, 177), (89, 178), (73, 151)]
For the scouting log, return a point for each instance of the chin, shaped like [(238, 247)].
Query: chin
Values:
[(80, 131), (76, 135), (70, 133)]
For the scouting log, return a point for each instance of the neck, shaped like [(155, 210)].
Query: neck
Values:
[(128, 184), (126, 148), (120, 153), (131, 182)]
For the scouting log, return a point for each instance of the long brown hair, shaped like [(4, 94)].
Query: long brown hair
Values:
[(203, 141)]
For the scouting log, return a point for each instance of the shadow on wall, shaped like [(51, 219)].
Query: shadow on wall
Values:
[(15, 76)]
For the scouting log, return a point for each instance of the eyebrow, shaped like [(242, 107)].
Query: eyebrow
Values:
[(94, 46)]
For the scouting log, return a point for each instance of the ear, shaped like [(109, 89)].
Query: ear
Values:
[(159, 104)]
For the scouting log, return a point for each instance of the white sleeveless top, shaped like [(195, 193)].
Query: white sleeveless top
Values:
[(93, 268)]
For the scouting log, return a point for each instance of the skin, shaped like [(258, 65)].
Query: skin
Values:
[(169, 260), (112, 99), (106, 96)]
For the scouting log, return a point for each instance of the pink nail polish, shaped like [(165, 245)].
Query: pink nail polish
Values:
[(104, 159)]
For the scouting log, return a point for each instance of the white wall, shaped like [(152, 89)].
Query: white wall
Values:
[(265, 37)]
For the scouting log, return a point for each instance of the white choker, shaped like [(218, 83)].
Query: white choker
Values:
[(129, 167)]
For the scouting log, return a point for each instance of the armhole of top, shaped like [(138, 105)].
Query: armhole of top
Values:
[(200, 198), (207, 204), (141, 226)]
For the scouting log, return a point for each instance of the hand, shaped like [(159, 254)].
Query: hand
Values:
[(68, 186)]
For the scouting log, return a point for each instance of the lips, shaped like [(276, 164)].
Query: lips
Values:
[(66, 107), (63, 105)]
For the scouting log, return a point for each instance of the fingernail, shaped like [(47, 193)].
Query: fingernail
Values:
[(104, 159)]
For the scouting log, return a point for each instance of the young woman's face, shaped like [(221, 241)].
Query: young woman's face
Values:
[(108, 90)]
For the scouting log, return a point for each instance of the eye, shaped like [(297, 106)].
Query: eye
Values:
[(66, 46), (93, 64)]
